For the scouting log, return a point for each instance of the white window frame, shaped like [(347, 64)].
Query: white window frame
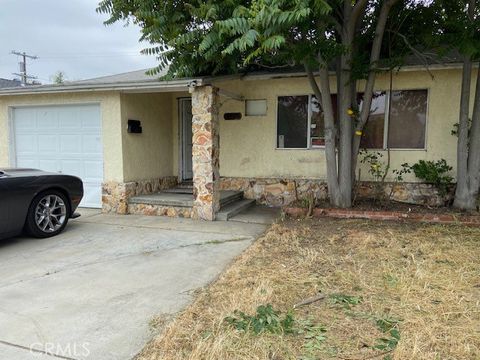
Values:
[(309, 145)]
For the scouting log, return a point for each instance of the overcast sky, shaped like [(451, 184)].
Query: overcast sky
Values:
[(68, 36)]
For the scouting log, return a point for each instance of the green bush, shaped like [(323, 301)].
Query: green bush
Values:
[(434, 172)]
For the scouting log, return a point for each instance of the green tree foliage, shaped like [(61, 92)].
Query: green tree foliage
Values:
[(58, 78), (183, 34)]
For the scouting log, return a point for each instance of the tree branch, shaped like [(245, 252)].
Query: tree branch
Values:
[(358, 9), (312, 81), (370, 83), (374, 57), (418, 54)]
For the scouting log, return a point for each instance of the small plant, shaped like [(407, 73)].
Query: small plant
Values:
[(308, 202), (386, 324), (390, 280), (405, 168), (434, 172), (377, 169), (266, 319), (314, 336), (345, 300), (388, 343), (376, 166)]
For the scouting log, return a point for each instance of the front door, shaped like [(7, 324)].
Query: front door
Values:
[(186, 138)]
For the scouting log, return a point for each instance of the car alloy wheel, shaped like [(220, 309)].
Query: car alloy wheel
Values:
[(50, 213)]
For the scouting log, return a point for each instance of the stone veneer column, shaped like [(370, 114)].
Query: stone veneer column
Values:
[(205, 152)]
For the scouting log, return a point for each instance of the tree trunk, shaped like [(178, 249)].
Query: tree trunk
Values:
[(468, 146), (323, 93), (465, 199), (474, 142), (463, 184), (341, 174), (345, 126)]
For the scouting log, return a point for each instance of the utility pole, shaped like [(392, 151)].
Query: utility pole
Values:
[(23, 66)]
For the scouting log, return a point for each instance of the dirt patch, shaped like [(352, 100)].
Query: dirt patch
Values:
[(420, 283)]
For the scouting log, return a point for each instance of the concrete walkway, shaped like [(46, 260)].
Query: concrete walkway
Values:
[(91, 292)]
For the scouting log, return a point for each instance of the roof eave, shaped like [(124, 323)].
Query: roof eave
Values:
[(161, 86)]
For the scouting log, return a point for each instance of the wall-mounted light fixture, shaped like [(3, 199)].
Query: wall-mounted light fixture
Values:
[(255, 107)]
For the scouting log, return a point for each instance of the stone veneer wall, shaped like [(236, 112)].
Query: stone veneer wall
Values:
[(205, 153), (157, 210), (115, 195), (281, 191)]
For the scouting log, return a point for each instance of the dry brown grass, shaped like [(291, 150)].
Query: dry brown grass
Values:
[(427, 276)]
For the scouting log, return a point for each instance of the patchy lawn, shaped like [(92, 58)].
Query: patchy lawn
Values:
[(393, 291)]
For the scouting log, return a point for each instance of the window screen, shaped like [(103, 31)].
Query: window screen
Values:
[(292, 122), (408, 116)]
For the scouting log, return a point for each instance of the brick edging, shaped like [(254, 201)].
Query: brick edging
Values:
[(469, 220)]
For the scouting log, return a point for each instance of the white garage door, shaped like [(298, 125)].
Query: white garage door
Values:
[(64, 139)]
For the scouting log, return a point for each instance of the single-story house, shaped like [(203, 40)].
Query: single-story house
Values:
[(132, 134)]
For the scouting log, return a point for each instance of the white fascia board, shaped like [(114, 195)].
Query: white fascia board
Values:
[(163, 86)]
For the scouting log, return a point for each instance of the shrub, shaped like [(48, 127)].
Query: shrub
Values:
[(434, 172)]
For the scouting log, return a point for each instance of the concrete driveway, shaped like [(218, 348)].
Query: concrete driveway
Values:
[(92, 292)]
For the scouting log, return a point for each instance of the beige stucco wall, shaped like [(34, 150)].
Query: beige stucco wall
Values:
[(148, 155), (111, 126), (248, 146)]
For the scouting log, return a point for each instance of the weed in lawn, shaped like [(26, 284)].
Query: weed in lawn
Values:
[(390, 280), (387, 343), (314, 336), (387, 324), (345, 300), (266, 319)]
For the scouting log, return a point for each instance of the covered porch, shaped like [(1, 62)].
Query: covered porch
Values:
[(188, 183)]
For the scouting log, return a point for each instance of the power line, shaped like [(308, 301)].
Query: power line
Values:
[(23, 66)]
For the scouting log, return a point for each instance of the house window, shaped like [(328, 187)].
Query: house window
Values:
[(374, 131), (301, 121), (408, 119), (292, 127)]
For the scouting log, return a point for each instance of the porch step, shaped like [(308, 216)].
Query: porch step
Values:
[(229, 196), (180, 197), (179, 190), (164, 199), (233, 209)]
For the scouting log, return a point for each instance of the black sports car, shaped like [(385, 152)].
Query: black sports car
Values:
[(36, 201)]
